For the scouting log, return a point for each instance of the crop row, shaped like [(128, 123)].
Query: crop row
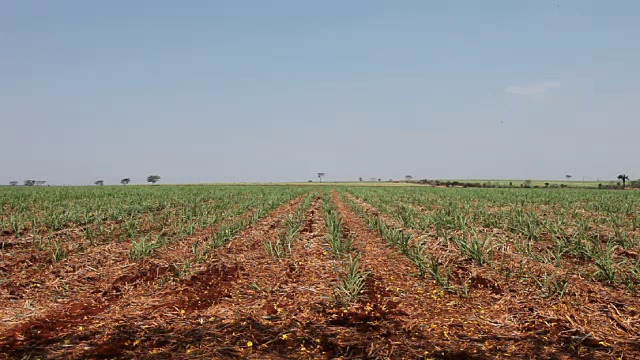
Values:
[(24, 211), (597, 245), (215, 221)]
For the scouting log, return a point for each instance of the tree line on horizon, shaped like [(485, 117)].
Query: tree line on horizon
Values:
[(153, 179)]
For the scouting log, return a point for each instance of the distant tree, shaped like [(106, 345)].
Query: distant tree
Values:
[(153, 179), (125, 181), (29, 182), (379, 179), (13, 183), (360, 179), (99, 182), (320, 175), (624, 179), (40, 182), (568, 177), (546, 184), (408, 177), (527, 183)]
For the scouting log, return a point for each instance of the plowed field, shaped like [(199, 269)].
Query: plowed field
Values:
[(281, 272)]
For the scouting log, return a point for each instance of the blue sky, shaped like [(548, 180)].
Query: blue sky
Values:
[(222, 91)]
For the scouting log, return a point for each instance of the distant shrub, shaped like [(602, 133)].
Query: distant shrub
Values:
[(488, 184)]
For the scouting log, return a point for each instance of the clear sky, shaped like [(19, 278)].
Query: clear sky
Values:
[(222, 91)]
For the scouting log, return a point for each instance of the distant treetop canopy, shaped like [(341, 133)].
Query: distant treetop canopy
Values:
[(153, 179)]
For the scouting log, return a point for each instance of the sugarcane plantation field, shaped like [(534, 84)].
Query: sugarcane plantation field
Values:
[(299, 272)]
